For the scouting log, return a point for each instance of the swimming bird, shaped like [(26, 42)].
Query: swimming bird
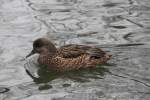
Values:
[(68, 57)]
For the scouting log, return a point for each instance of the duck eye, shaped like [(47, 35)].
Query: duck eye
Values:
[(37, 45)]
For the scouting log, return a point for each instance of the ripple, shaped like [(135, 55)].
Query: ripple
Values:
[(118, 27), (3, 90)]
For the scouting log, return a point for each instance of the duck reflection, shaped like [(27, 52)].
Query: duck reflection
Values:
[(83, 75)]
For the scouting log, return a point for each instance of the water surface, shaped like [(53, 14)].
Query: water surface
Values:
[(121, 27)]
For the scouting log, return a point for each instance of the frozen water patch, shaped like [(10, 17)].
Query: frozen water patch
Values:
[(32, 65)]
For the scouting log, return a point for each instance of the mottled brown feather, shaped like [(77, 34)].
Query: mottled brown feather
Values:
[(73, 57)]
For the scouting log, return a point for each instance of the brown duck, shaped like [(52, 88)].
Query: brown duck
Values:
[(68, 57)]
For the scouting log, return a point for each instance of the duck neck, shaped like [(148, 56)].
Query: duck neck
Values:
[(52, 48), (47, 51)]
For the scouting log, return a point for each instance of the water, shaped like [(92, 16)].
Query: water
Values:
[(121, 27)]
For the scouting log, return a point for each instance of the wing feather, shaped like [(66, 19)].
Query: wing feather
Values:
[(73, 50)]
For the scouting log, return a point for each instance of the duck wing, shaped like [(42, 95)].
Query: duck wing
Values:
[(73, 51)]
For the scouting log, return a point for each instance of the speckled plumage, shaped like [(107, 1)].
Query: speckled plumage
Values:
[(68, 57)]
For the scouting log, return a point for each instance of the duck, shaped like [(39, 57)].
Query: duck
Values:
[(68, 57)]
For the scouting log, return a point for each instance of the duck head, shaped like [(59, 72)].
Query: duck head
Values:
[(42, 45)]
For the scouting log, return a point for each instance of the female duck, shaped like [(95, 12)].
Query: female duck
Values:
[(68, 57)]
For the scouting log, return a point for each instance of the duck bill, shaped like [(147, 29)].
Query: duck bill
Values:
[(31, 53)]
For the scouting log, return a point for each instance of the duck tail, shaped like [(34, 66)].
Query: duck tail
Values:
[(97, 53)]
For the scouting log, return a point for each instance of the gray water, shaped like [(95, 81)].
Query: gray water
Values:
[(121, 27)]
